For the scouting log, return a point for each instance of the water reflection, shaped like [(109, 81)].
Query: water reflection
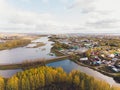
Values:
[(9, 73), (21, 54), (68, 66)]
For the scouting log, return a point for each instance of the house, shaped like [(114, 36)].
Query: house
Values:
[(85, 40), (88, 45), (111, 55), (103, 55), (84, 59), (116, 53), (75, 47), (81, 50), (70, 53), (96, 60), (2, 41), (113, 68), (117, 64), (114, 59)]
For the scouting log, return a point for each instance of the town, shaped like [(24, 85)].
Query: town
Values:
[(99, 51)]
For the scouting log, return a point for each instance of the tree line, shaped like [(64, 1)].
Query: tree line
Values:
[(14, 43), (48, 78)]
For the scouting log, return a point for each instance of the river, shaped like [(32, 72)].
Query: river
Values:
[(21, 54), (18, 55), (68, 66)]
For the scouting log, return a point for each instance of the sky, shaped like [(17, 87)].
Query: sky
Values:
[(60, 16)]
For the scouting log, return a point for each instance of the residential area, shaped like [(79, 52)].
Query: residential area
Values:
[(99, 51)]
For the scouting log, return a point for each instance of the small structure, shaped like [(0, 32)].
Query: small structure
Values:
[(75, 47), (70, 53), (103, 55), (96, 60), (111, 55), (114, 59), (84, 59), (114, 69), (88, 45)]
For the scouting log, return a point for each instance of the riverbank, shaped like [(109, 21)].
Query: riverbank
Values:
[(39, 44), (115, 76), (32, 63), (97, 69), (18, 41), (49, 78), (14, 44)]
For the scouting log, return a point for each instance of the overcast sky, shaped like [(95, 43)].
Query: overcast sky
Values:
[(60, 16)]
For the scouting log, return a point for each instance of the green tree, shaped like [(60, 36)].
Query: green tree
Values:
[(2, 83)]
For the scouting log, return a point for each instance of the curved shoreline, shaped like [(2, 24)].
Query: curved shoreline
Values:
[(39, 62), (113, 75), (116, 77), (101, 71)]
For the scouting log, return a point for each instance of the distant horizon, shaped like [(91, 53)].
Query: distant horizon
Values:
[(57, 33)]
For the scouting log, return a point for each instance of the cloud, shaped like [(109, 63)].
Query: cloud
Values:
[(104, 24), (24, 20), (45, 1), (80, 16), (61, 1), (26, 1), (27, 21), (85, 6), (102, 15)]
